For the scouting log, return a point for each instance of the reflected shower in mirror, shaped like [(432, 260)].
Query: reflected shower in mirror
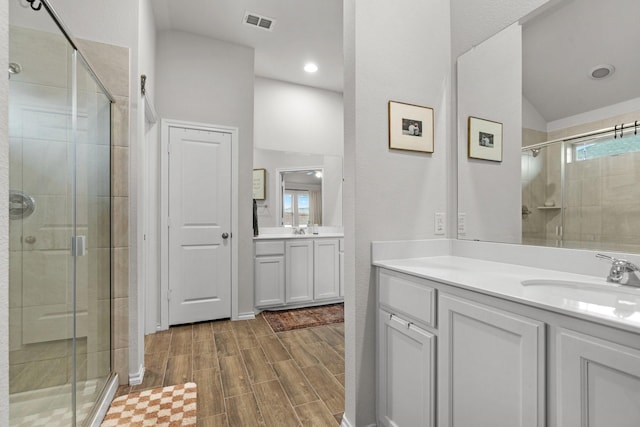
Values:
[(552, 78), (301, 188)]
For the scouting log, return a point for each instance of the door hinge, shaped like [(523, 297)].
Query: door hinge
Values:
[(168, 222), (169, 295), (168, 148)]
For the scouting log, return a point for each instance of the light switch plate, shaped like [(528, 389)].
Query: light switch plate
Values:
[(462, 223), (440, 224)]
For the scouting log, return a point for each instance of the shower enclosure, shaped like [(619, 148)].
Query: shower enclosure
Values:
[(60, 226), (582, 192)]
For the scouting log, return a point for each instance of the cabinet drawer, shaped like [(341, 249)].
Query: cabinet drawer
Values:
[(270, 248), (412, 297)]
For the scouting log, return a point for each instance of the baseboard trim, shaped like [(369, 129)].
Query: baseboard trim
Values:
[(345, 422), (137, 377), (246, 316)]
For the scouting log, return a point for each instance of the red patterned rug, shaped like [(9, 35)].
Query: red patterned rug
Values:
[(170, 406), (299, 318)]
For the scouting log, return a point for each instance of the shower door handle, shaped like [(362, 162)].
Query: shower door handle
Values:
[(78, 245)]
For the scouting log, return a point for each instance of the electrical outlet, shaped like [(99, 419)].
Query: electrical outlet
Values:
[(440, 224), (462, 223)]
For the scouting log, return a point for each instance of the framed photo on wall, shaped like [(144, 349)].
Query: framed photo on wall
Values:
[(410, 127), (259, 181), (485, 139)]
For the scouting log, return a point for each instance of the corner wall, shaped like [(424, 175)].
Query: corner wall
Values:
[(4, 219), (203, 80), (397, 51)]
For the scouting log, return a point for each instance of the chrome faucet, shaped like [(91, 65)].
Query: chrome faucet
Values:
[(298, 230), (618, 268)]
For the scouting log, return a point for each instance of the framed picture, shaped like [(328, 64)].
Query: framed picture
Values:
[(485, 139), (410, 127), (259, 181)]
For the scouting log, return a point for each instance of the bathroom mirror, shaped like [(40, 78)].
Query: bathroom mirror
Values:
[(301, 188), (541, 78), (300, 201)]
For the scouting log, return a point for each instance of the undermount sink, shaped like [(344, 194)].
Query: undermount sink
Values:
[(576, 285), (624, 299)]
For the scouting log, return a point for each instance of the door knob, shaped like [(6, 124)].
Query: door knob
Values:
[(225, 235)]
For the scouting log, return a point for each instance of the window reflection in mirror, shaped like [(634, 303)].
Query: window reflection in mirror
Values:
[(302, 197)]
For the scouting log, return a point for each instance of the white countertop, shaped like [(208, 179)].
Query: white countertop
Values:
[(591, 301), (268, 236)]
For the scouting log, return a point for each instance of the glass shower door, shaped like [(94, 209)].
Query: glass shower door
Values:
[(93, 229), (41, 321), (60, 228)]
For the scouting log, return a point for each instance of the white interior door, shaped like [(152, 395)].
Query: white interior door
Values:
[(199, 225)]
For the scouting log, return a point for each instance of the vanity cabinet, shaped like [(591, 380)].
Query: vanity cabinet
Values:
[(497, 362), (597, 382), (269, 273), (406, 352), (299, 267), (326, 271), (297, 272), (491, 366), (406, 374), (341, 261)]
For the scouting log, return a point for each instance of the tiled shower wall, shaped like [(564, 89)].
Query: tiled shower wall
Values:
[(601, 196)]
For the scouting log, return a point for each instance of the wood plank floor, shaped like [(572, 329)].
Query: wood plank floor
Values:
[(247, 375)]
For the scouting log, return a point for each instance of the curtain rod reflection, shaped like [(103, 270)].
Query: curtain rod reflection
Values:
[(39, 3), (617, 130)]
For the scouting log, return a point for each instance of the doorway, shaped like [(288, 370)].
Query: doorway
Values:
[(198, 192)]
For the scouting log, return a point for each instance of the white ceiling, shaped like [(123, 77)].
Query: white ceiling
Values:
[(561, 46), (304, 31)]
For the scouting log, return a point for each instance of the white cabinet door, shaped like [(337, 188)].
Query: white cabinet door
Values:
[(326, 275), (269, 280), (405, 373), (299, 267), (598, 382), (491, 366), (341, 255)]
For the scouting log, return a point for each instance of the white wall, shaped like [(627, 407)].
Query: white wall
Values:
[(290, 117), (474, 21), (531, 118), (148, 187), (200, 79), (393, 51), (490, 87), (4, 219)]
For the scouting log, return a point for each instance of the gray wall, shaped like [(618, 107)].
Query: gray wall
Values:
[(203, 80), (393, 51)]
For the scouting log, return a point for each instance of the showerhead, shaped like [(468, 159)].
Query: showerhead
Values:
[(14, 68)]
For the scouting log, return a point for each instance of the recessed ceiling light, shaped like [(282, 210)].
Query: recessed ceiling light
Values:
[(601, 71), (311, 67)]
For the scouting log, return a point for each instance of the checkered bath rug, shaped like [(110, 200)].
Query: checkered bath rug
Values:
[(171, 406)]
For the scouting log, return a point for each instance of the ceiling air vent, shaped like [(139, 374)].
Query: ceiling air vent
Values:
[(258, 21)]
